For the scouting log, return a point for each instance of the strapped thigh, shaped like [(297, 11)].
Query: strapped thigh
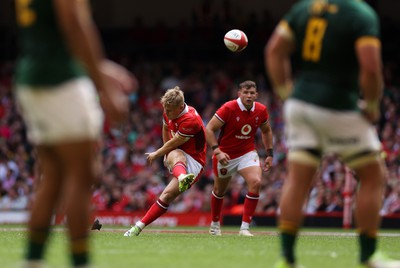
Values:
[(306, 156), (356, 160)]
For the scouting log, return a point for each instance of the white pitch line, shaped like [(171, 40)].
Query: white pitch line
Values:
[(183, 231)]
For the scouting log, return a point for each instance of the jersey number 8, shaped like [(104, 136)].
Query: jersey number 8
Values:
[(312, 44), (25, 16)]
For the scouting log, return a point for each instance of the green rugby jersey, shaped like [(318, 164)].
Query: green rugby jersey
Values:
[(44, 59), (325, 33)]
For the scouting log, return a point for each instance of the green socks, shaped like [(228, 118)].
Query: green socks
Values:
[(36, 244), (367, 247), (287, 246)]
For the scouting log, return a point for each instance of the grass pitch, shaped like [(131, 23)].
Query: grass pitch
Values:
[(195, 248)]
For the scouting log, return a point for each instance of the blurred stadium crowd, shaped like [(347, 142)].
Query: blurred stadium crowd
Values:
[(192, 56)]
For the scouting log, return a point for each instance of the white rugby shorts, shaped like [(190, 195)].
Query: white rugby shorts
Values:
[(344, 133), (67, 112), (249, 159)]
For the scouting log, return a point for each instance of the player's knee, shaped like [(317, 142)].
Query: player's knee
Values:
[(254, 184), (219, 190), (176, 156)]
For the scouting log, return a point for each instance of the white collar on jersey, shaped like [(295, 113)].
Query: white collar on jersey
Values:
[(185, 110), (242, 107)]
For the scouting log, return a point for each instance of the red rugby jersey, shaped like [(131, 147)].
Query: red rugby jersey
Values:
[(237, 135), (189, 124)]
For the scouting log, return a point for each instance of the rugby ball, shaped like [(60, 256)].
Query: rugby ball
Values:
[(235, 40)]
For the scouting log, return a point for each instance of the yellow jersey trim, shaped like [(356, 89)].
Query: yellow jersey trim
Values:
[(284, 30), (368, 40)]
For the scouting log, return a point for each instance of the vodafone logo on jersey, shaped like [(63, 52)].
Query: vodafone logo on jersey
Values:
[(246, 129)]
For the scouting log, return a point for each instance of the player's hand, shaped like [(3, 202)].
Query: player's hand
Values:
[(222, 158), (151, 157), (115, 104), (125, 79), (267, 163), (370, 112), (284, 91), (372, 117), (116, 83)]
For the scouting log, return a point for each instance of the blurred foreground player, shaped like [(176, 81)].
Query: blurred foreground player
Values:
[(337, 46), (59, 51)]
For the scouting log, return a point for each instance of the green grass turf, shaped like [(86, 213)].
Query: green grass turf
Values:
[(195, 248)]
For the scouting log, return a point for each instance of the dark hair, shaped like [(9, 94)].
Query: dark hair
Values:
[(247, 84)]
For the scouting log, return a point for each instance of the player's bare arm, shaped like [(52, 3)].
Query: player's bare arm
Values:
[(267, 139), (170, 145), (212, 127), (277, 60), (368, 51), (81, 34), (165, 133), (111, 79)]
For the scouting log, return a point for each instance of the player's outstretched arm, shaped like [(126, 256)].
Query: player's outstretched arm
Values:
[(170, 145)]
